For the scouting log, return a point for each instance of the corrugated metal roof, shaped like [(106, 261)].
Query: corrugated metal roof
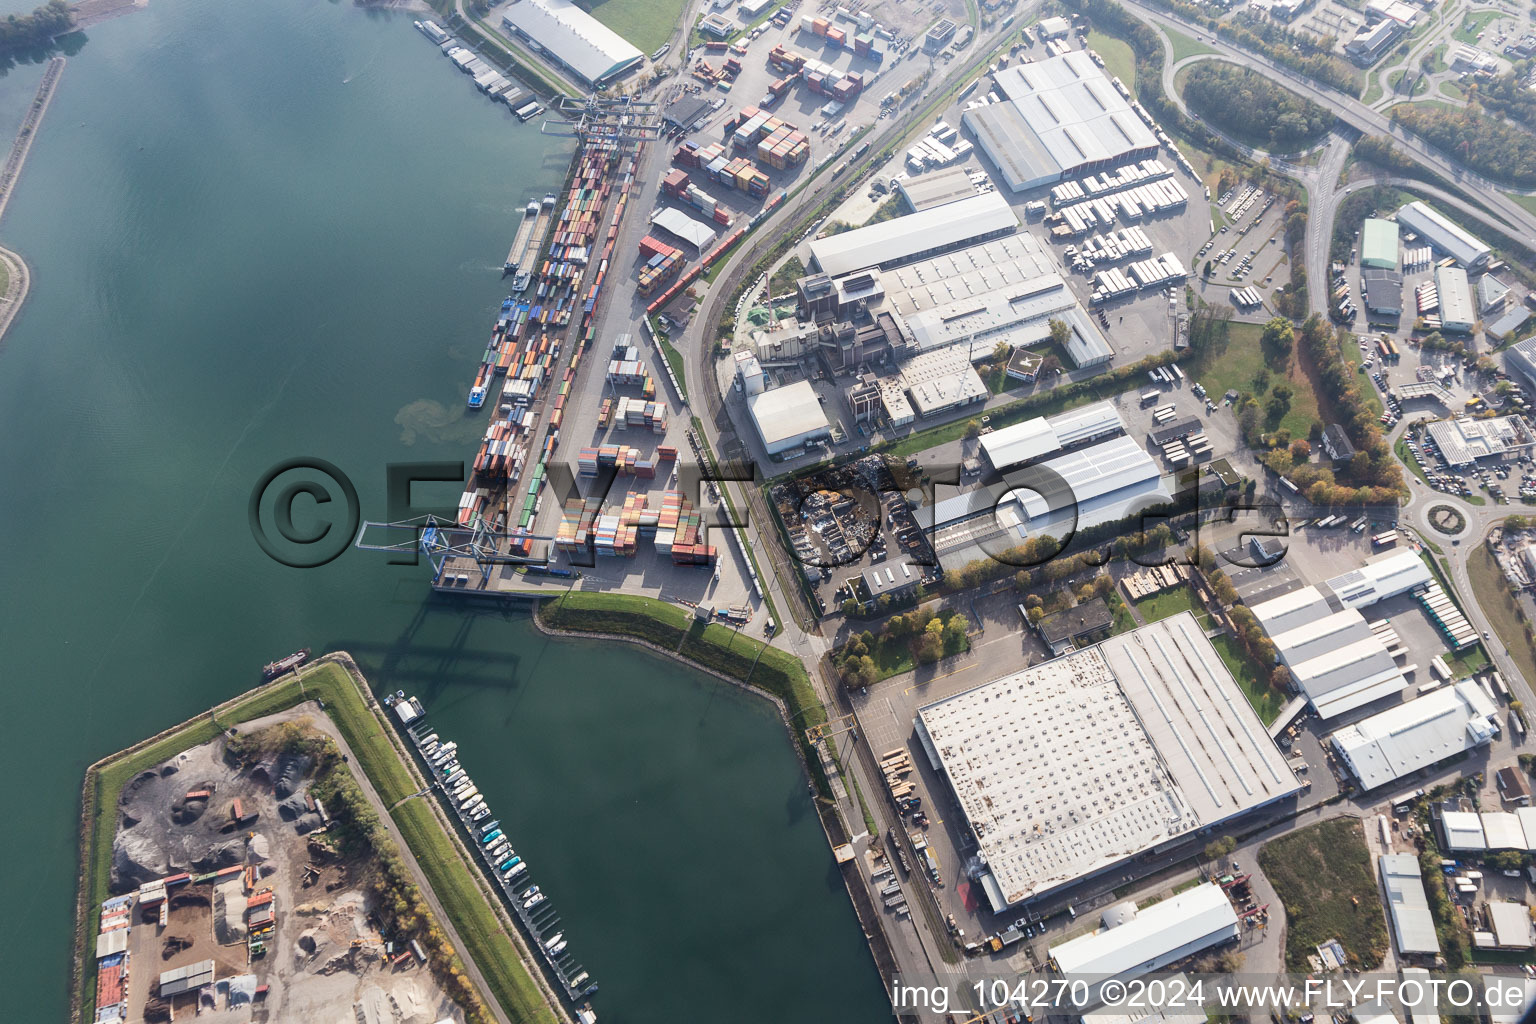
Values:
[(578, 40), (1413, 928), (1415, 734), (1380, 578), (1442, 233), (1058, 115), (1200, 914), (1378, 243), (904, 237), (787, 414), (1289, 611), (694, 231)]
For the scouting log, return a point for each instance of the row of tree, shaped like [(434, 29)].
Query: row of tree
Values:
[(929, 633), (1487, 144), (42, 26), (1246, 104), (1302, 52), (1373, 476)]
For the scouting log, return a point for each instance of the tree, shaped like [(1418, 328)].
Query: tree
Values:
[(1277, 340), (1001, 353), (1301, 451), (954, 635), (1061, 333), (972, 429), (1218, 848)]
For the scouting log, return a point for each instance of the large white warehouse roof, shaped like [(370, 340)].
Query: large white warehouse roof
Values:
[(1413, 929), (573, 37), (1171, 929), (1043, 435), (1337, 660), (903, 238), (1380, 578), (1076, 764), (1444, 234), (1416, 734), (1059, 116), (789, 416)]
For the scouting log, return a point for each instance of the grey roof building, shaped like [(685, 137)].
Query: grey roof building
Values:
[(1413, 929)]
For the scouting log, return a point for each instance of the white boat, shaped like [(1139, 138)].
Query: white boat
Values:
[(533, 901), (480, 812), (555, 941), (557, 948)]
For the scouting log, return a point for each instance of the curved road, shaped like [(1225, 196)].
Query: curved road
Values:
[(1362, 118)]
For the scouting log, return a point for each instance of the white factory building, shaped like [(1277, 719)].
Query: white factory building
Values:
[(1444, 235), (788, 417), (1045, 435), (1413, 928), (1416, 734), (902, 239), (571, 38), (1007, 289), (1457, 311), (1463, 441), (1471, 832), (1384, 576), (1074, 766), (1133, 942), (1338, 659), (1059, 118)]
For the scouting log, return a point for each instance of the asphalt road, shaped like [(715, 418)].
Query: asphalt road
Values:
[(1363, 119)]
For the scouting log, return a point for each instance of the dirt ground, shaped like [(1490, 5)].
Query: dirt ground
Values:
[(323, 962)]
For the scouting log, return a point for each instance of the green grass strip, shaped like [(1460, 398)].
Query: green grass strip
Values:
[(380, 755)]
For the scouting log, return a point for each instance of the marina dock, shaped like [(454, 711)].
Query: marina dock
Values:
[(507, 870)]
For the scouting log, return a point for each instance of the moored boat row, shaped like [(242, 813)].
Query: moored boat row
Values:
[(529, 903)]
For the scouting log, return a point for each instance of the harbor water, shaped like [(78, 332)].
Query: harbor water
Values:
[(267, 231)]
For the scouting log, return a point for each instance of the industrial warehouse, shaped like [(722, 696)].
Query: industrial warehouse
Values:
[(1003, 290), (1134, 941), (572, 38), (1338, 659), (1059, 118), (1445, 235), (1416, 734), (1093, 475), (934, 230), (1068, 768)]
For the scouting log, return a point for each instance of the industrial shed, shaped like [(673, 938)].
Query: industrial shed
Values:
[(691, 230), (1103, 483), (572, 38), (1044, 435), (926, 232), (1073, 766), (1444, 234), (1457, 311), (1384, 576), (1413, 928), (1150, 938), (1416, 734), (940, 188), (788, 417), (1464, 441), (1060, 118), (1378, 244)]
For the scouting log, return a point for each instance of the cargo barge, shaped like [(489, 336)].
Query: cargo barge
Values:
[(522, 258), (508, 871)]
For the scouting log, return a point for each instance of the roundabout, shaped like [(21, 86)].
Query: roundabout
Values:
[(1446, 519)]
